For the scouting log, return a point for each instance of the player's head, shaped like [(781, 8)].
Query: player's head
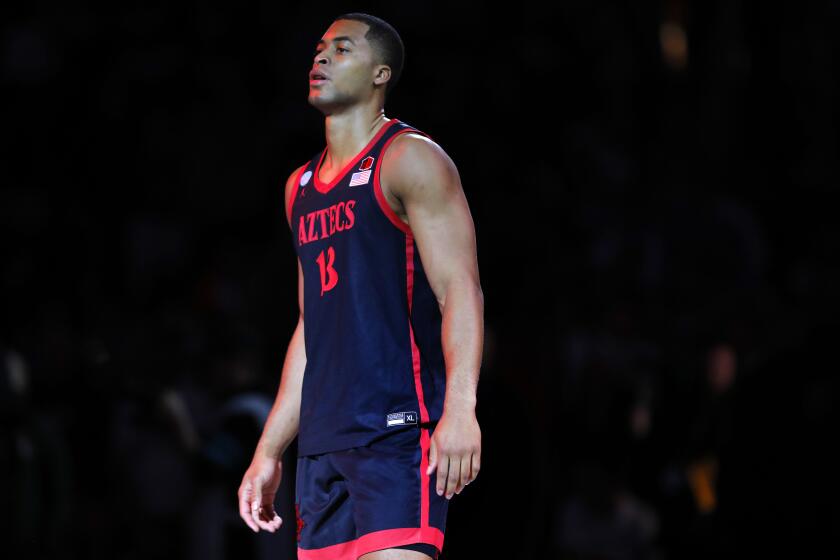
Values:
[(363, 66)]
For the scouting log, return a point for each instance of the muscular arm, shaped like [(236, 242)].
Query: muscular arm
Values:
[(424, 178), (283, 421)]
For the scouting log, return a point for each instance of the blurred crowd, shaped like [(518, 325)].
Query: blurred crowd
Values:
[(650, 188)]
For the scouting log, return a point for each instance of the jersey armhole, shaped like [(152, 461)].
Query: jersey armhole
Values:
[(381, 201), (295, 187)]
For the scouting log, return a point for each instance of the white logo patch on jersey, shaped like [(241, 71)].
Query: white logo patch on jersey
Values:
[(305, 178)]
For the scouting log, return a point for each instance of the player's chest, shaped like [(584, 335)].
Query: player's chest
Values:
[(337, 213)]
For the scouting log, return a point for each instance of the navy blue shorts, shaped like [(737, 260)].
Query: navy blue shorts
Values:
[(354, 501)]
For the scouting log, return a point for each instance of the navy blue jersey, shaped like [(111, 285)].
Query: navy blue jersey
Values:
[(372, 325)]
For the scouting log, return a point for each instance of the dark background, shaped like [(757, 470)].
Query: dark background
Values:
[(652, 185)]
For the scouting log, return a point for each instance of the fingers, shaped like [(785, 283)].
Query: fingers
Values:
[(432, 458), (266, 517), (275, 521), (464, 474), (257, 510), (454, 473), (459, 477), (442, 474), (245, 506), (476, 464), (453, 479), (256, 502), (262, 510)]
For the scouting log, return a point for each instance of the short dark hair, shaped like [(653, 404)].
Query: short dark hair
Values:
[(386, 42)]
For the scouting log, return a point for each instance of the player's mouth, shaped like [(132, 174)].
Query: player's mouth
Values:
[(317, 78)]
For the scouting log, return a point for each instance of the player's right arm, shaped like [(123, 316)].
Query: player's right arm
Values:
[(262, 479)]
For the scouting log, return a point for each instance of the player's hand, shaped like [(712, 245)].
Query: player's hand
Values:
[(455, 451), (257, 491)]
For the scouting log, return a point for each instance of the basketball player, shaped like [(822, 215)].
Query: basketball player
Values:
[(379, 381)]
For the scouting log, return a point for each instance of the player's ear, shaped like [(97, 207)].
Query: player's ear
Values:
[(382, 74)]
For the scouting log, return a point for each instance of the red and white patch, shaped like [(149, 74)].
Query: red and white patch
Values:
[(367, 163)]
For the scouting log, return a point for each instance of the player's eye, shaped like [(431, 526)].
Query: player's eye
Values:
[(316, 51)]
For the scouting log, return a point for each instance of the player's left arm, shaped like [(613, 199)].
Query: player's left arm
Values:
[(425, 179)]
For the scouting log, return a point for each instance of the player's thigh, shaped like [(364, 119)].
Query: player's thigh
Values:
[(395, 554)]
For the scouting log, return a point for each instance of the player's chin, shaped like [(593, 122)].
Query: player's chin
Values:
[(318, 87), (316, 98)]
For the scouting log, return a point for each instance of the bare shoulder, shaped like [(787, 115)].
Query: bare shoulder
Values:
[(415, 163)]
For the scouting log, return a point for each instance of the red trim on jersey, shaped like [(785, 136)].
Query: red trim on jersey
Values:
[(321, 187), (377, 185), (294, 194), (377, 540), (415, 352), (425, 446), (418, 386)]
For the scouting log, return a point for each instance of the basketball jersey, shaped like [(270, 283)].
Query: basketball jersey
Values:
[(372, 325)]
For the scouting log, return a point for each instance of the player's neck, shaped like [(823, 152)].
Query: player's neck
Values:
[(348, 133)]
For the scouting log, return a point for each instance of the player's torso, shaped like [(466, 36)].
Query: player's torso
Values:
[(361, 273)]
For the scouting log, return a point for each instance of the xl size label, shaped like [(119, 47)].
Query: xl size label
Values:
[(401, 418)]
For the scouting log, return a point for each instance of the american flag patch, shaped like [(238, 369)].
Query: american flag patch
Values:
[(360, 178)]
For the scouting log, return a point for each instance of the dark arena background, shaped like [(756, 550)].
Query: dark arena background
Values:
[(653, 186)]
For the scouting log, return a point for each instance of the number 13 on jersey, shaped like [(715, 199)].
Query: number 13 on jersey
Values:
[(329, 276)]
